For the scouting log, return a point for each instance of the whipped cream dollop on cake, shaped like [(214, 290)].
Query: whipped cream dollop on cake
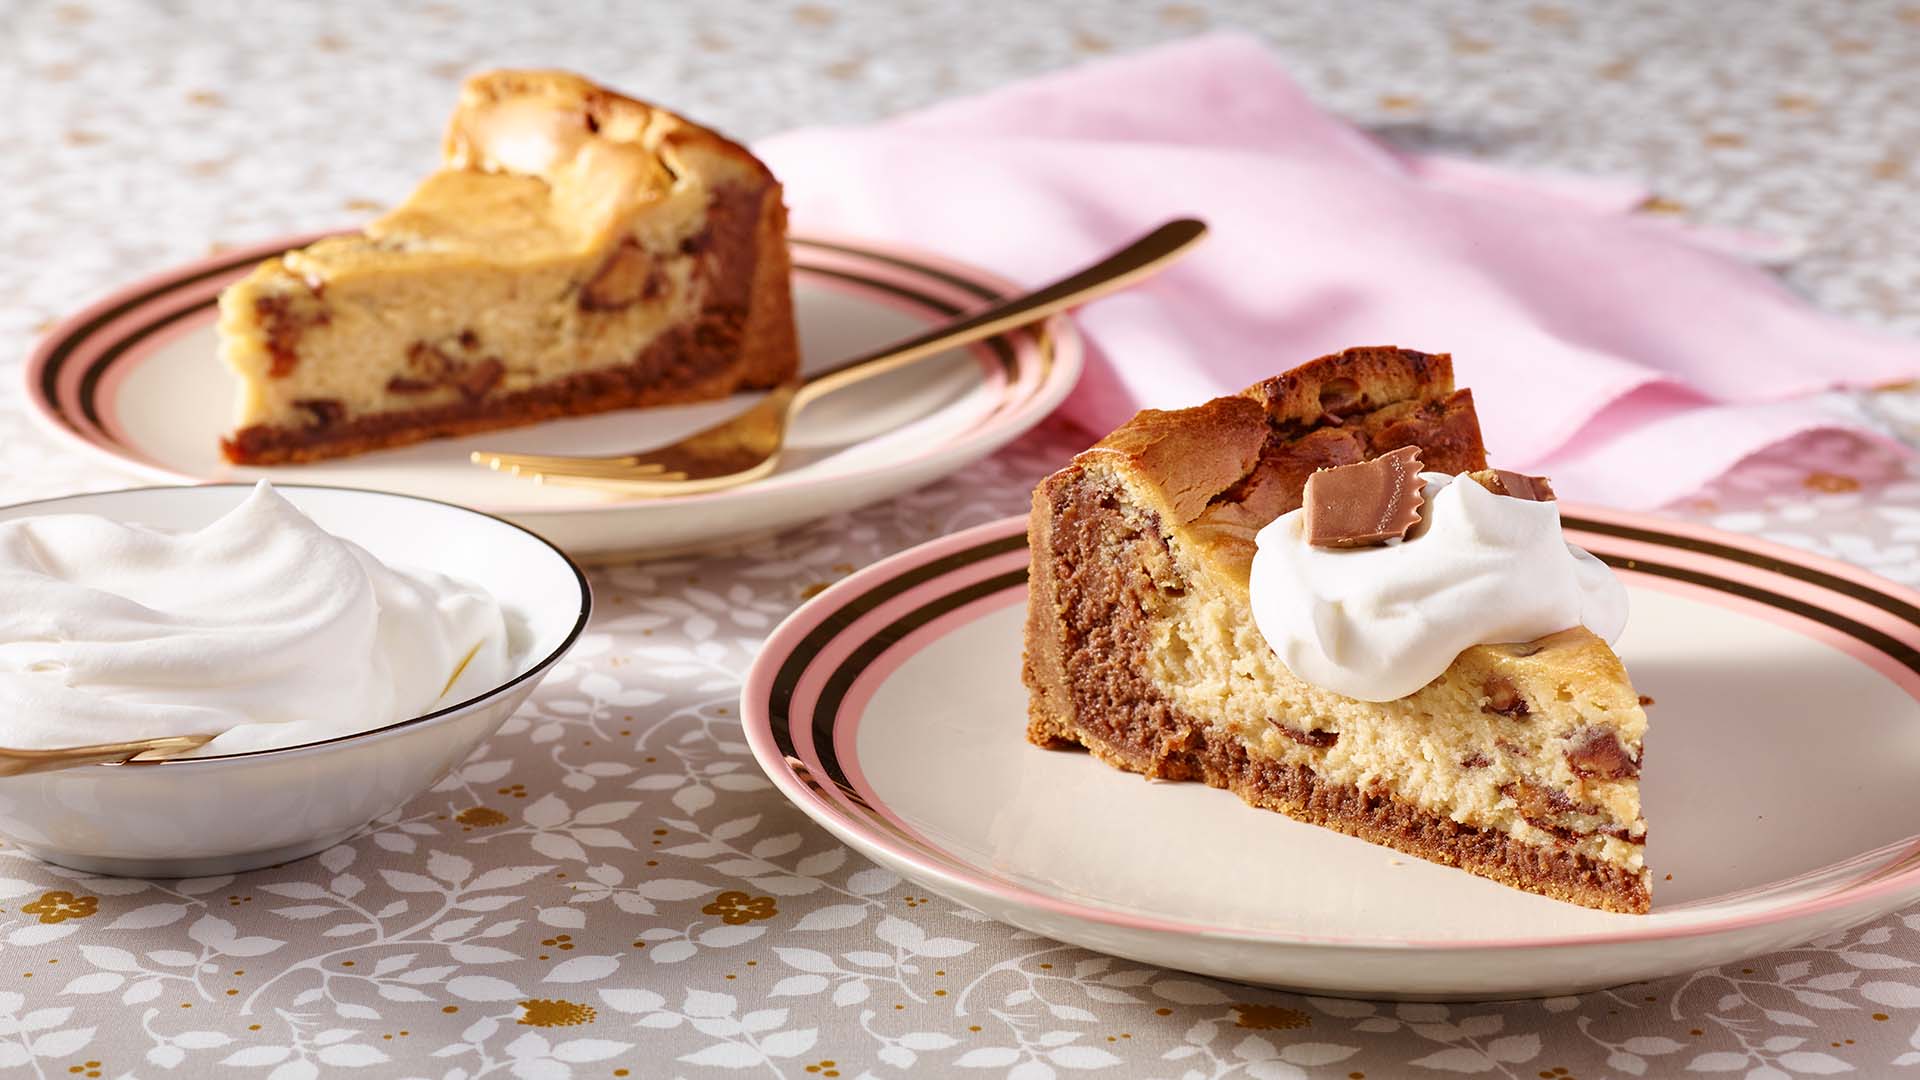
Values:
[(261, 624), (1379, 622)]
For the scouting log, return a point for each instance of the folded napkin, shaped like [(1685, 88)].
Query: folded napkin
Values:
[(1631, 358)]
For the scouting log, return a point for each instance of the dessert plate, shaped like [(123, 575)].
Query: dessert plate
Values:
[(136, 379), (1778, 780)]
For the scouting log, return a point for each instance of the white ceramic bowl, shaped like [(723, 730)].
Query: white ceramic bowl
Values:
[(233, 812)]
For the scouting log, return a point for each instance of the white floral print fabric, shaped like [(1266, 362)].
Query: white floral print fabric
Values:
[(610, 887)]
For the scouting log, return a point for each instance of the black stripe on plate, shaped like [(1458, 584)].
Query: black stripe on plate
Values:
[(974, 287), (1832, 582), (998, 343), (1908, 656), (57, 357), (780, 697), (90, 380), (834, 693)]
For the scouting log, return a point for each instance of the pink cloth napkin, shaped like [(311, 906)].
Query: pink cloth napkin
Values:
[(1631, 358)]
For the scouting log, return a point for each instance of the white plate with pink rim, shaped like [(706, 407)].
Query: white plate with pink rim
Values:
[(1778, 783), (136, 379)]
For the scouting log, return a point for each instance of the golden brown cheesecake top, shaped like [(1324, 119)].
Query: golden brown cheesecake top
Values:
[(1221, 471), (538, 165)]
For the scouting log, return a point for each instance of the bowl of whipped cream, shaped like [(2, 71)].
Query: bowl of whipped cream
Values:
[(344, 649)]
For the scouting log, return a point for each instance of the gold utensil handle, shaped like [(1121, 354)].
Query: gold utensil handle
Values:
[(20, 762), (1117, 271)]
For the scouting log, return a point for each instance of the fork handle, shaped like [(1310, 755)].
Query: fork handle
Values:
[(1137, 260)]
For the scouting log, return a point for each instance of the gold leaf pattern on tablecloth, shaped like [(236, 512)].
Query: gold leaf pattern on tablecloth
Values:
[(59, 905), (737, 908), (481, 817), (1269, 1017), (542, 1012)]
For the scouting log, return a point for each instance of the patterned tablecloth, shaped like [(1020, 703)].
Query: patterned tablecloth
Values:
[(610, 888)]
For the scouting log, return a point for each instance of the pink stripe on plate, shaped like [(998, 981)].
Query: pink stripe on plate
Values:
[(106, 393), (1823, 599), (806, 694), (88, 351), (61, 413), (992, 372), (1839, 640), (1783, 553), (853, 708)]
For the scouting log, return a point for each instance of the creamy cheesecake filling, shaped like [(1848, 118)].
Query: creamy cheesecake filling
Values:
[(1429, 749), (334, 313)]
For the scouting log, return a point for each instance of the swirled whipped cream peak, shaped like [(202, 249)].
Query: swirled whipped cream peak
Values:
[(1379, 622), (261, 625)]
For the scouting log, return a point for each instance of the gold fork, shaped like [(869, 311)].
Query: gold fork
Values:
[(20, 762), (746, 447)]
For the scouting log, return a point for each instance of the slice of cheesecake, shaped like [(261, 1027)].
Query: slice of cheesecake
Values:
[(1519, 763), (578, 251)]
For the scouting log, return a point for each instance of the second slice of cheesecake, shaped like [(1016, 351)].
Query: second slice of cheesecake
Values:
[(579, 251), (1520, 762)]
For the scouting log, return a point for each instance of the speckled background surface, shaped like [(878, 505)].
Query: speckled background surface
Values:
[(529, 918)]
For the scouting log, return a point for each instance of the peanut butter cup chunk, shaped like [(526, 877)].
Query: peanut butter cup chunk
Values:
[(578, 251), (1365, 503), (1514, 485), (1520, 763)]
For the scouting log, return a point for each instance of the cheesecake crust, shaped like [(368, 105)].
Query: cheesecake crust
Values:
[(1294, 790)]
